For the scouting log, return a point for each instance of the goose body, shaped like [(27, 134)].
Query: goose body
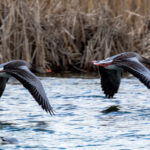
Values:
[(111, 69), (19, 69)]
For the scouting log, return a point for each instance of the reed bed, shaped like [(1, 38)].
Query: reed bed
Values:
[(67, 35)]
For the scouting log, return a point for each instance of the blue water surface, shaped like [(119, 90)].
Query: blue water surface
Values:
[(78, 123)]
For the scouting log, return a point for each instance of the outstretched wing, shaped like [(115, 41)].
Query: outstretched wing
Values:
[(110, 81), (136, 68), (33, 84), (3, 82)]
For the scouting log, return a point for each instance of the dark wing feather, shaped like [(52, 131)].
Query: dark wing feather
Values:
[(136, 68), (33, 84), (110, 81), (3, 82)]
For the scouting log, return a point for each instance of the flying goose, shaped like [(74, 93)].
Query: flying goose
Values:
[(111, 69), (20, 70)]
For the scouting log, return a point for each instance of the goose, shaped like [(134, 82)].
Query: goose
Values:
[(19, 69), (111, 69)]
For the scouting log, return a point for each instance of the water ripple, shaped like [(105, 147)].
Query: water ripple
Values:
[(79, 122)]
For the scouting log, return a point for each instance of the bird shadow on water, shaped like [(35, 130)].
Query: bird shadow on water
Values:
[(110, 109), (41, 126), (35, 126), (115, 106), (10, 127), (6, 125)]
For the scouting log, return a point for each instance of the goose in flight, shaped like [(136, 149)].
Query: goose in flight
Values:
[(19, 69), (111, 69)]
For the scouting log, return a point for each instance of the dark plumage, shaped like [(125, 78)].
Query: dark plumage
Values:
[(111, 69), (19, 69)]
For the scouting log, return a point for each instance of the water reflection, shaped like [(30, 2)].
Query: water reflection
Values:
[(79, 122)]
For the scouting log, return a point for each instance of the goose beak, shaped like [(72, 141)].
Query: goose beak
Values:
[(95, 62), (103, 63), (2, 69)]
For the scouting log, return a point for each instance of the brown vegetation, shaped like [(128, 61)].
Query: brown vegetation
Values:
[(66, 35)]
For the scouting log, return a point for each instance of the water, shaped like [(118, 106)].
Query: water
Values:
[(79, 123)]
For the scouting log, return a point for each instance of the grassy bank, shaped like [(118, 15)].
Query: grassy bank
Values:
[(66, 35)]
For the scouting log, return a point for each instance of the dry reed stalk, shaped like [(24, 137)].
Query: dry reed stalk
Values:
[(67, 35)]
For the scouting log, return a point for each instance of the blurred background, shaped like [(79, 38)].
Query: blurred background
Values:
[(66, 35)]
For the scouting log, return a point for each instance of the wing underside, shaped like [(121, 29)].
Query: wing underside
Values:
[(3, 82), (34, 86), (136, 68), (110, 81)]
